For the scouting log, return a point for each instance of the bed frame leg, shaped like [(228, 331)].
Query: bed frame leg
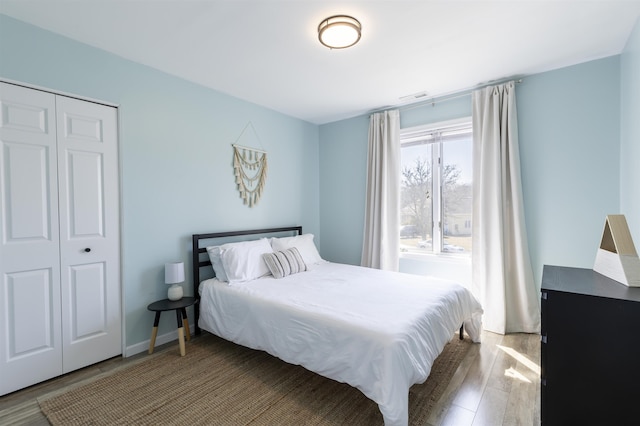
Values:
[(462, 332), (196, 314)]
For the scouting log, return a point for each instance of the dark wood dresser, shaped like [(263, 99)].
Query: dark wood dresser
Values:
[(590, 351)]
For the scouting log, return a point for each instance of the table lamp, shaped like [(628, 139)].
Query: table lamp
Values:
[(174, 274)]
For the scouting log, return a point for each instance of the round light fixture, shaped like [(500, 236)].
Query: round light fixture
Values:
[(339, 32)]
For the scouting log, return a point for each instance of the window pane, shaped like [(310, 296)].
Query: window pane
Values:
[(416, 199), (457, 175)]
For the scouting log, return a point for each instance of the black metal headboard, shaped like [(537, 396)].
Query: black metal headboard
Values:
[(200, 261)]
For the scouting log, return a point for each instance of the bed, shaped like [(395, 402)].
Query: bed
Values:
[(378, 331)]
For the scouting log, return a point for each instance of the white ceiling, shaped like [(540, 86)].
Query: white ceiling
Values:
[(267, 52)]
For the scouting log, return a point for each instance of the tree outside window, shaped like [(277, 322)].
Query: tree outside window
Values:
[(436, 190)]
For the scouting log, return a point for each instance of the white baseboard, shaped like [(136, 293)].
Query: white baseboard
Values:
[(144, 346)]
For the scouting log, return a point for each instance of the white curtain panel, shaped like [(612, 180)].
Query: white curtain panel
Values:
[(501, 267), (381, 245)]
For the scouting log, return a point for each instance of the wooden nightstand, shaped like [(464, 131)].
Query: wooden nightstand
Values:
[(181, 314)]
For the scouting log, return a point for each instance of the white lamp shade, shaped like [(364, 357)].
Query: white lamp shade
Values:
[(173, 272)]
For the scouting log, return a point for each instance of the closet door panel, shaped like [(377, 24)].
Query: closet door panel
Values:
[(30, 330), (27, 192), (85, 190), (89, 232), (31, 309), (88, 292)]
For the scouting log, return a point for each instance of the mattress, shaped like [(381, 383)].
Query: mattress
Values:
[(378, 331)]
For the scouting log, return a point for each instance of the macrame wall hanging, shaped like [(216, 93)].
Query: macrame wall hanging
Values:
[(250, 169)]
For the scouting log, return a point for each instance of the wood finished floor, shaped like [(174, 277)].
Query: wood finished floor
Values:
[(498, 383)]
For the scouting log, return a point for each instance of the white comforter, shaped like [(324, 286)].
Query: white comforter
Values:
[(378, 331)]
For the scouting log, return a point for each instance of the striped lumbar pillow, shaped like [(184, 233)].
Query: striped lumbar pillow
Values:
[(286, 262)]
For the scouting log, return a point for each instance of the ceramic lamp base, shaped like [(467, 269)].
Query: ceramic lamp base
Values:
[(175, 292)]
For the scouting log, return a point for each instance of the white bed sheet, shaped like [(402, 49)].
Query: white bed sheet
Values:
[(378, 331)]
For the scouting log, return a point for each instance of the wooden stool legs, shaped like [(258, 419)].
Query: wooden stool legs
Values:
[(181, 316), (180, 331), (154, 332), (185, 321)]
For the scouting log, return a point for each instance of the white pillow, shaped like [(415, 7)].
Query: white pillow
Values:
[(243, 261), (216, 262), (304, 244)]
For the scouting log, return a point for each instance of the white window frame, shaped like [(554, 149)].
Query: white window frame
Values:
[(424, 133)]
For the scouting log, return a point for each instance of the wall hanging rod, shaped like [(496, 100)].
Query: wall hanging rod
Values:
[(248, 148)]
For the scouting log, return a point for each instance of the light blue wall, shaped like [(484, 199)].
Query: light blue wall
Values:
[(175, 150), (630, 135), (343, 171), (458, 107), (569, 127), (569, 138)]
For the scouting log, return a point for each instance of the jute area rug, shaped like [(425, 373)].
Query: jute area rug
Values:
[(220, 383)]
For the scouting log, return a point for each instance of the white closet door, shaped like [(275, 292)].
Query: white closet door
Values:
[(30, 338), (89, 232)]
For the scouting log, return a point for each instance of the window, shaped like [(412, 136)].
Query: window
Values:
[(435, 203)]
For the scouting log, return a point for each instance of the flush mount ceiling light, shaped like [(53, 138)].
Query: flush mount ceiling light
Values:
[(339, 31)]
